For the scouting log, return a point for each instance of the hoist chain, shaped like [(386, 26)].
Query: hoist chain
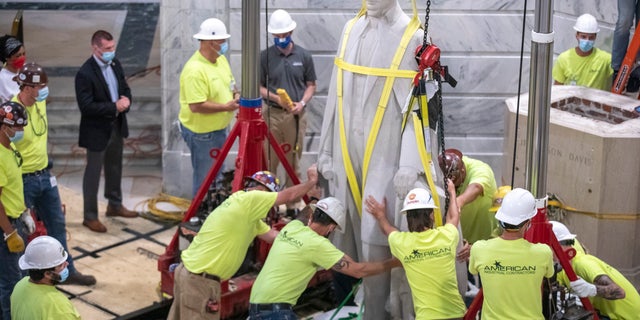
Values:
[(425, 41)]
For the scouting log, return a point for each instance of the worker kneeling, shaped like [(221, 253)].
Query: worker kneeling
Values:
[(35, 296), (297, 252), (428, 254)]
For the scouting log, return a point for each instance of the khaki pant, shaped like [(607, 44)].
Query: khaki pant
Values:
[(191, 293), (283, 127)]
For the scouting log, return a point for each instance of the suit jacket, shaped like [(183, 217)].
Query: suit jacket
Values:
[(98, 113)]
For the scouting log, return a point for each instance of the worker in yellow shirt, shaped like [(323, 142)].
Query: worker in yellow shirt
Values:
[(13, 118), (511, 268), (219, 248), (297, 253), (427, 253), (611, 294)]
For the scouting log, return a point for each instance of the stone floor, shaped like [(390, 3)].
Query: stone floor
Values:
[(123, 260)]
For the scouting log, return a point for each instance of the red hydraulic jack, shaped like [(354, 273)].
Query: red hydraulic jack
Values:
[(628, 64), (252, 131), (541, 232)]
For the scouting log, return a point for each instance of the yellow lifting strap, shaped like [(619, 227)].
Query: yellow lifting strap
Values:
[(413, 26), (425, 157)]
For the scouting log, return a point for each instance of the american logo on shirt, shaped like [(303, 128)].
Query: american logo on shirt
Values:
[(292, 241), (420, 255), (498, 268)]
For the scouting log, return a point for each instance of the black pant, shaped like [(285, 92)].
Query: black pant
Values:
[(112, 159)]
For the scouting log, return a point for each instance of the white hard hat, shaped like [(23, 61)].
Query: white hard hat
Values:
[(280, 22), (212, 29), (334, 209), (43, 252), (418, 198), (517, 206), (586, 23), (561, 231)]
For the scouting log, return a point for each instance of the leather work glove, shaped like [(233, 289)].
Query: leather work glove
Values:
[(27, 219), (404, 180), (583, 289), (14, 242), (325, 168)]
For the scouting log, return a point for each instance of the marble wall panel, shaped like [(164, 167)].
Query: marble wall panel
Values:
[(474, 116), (486, 74), (604, 11)]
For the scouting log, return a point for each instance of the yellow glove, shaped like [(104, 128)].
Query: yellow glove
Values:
[(14, 242)]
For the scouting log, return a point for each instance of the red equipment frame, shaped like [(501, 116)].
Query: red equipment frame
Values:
[(541, 231), (620, 83), (251, 129)]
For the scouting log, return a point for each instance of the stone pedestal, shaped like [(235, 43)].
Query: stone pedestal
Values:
[(593, 167)]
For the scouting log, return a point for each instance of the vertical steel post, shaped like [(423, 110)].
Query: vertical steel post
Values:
[(539, 99)]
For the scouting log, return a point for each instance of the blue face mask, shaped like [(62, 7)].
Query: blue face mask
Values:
[(17, 137), (64, 274), (42, 94), (585, 45), (282, 42), (224, 47), (108, 56)]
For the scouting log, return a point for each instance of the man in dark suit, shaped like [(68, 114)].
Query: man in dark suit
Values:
[(104, 98)]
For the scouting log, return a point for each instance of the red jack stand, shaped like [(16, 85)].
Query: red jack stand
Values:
[(541, 232), (252, 131)]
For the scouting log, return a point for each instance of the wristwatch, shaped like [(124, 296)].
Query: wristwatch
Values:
[(303, 103)]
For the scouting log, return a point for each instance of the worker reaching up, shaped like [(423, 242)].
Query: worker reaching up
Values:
[(428, 254), (219, 248), (297, 252)]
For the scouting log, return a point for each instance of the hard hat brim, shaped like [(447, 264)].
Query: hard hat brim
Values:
[(200, 36), (417, 206)]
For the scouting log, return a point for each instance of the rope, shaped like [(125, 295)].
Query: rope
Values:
[(154, 213)]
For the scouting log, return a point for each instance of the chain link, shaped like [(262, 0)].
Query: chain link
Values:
[(425, 40)]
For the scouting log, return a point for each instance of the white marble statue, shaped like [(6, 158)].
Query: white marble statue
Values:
[(371, 41)]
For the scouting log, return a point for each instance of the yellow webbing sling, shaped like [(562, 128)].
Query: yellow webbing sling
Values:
[(419, 126), (390, 75)]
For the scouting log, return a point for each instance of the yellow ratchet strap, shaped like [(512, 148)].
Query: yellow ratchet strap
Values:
[(425, 157), (414, 24)]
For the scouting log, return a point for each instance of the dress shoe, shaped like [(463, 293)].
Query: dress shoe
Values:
[(80, 279), (95, 225), (120, 211)]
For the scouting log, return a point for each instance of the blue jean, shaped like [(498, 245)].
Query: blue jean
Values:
[(275, 314), (10, 272), (45, 199), (627, 11), (201, 145)]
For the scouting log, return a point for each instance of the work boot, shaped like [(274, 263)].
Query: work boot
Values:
[(120, 211), (80, 279), (95, 225)]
